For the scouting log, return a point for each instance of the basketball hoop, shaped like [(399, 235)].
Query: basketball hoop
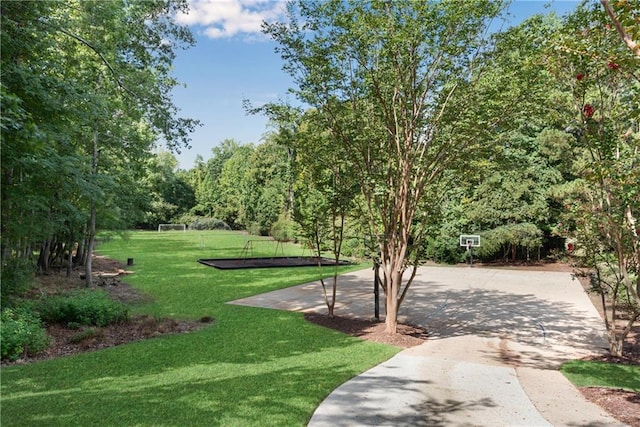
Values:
[(470, 241)]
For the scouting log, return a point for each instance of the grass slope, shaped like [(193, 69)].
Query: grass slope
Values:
[(250, 367)]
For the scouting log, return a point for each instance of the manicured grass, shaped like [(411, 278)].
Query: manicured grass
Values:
[(252, 366), (600, 374)]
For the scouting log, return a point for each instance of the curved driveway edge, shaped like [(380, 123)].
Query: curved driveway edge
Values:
[(497, 337)]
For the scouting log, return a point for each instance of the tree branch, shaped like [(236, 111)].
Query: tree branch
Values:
[(634, 46), (101, 56)]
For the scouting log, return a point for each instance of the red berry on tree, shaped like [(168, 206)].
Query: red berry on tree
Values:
[(613, 66), (588, 110), (580, 76)]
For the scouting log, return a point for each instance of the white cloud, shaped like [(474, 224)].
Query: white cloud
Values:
[(227, 18)]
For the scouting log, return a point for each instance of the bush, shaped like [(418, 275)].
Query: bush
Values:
[(254, 229), (82, 308), (205, 223), (445, 249), (17, 274), (22, 333), (353, 247), (284, 230)]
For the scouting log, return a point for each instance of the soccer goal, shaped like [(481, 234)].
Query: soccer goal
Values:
[(172, 227)]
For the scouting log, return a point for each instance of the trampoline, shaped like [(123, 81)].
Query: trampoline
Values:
[(295, 261)]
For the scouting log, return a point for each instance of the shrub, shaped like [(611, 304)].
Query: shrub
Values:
[(83, 335), (16, 279), (22, 333), (444, 249), (284, 230), (254, 229), (82, 308), (205, 223), (353, 247)]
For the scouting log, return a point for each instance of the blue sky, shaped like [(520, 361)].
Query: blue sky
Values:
[(233, 61)]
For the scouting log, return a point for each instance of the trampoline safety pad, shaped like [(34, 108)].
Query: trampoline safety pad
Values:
[(299, 261)]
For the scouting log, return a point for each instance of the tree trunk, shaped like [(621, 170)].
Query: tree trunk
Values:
[(69, 257), (394, 282), (92, 220), (43, 259), (79, 258), (332, 304)]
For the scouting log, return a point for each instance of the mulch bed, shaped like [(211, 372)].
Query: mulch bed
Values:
[(623, 405), (371, 330)]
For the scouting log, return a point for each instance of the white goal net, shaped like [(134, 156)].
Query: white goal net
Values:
[(172, 227)]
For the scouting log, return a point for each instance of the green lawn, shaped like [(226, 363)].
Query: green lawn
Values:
[(252, 366), (600, 374)]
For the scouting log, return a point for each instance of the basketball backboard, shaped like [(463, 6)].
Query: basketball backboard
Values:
[(470, 240)]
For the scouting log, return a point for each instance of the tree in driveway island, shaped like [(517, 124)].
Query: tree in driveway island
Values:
[(396, 86)]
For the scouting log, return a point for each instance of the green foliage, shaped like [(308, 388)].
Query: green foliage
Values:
[(169, 193), (354, 247), (82, 308), (255, 229), (196, 222), (266, 185), (85, 90), (233, 189), (246, 189), (22, 333), (16, 278), (158, 212), (602, 201), (444, 248), (448, 221), (285, 230), (205, 178), (508, 239)]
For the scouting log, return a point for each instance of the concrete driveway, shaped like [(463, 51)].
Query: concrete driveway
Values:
[(497, 337)]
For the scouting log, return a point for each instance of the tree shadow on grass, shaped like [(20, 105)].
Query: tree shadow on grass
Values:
[(269, 367)]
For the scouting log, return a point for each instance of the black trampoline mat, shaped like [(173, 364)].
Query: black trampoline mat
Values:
[(299, 261)]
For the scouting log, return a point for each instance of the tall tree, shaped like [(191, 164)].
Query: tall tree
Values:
[(603, 201), (266, 185), (89, 88), (233, 188), (169, 193), (325, 192), (391, 81), (205, 177)]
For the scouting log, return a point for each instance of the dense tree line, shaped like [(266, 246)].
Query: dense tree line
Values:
[(85, 98)]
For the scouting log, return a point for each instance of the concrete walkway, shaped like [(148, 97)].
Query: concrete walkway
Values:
[(497, 337)]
